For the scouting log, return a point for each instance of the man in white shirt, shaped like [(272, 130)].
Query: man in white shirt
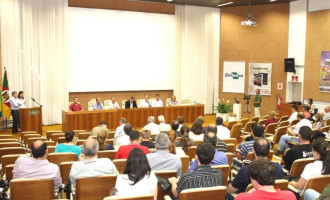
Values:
[(89, 165), (120, 129), (293, 132), (145, 103), (113, 105), (162, 125), (14, 106), (154, 128), (123, 139), (222, 131), (181, 121), (157, 102), (294, 114)]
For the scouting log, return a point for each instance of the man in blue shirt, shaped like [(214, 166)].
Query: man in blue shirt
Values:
[(98, 105), (220, 158)]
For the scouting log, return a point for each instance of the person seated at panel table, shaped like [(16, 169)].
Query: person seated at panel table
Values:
[(131, 103), (98, 105), (157, 102), (173, 101), (75, 106), (145, 103), (113, 105)]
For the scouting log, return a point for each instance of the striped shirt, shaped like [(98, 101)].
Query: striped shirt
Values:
[(246, 147), (202, 176), (221, 146)]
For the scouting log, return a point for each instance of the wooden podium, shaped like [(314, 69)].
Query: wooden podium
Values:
[(30, 119)]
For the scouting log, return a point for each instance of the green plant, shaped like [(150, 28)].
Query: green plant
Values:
[(223, 107)]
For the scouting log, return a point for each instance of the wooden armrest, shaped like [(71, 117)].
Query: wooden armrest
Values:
[(166, 197), (268, 134), (293, 188)]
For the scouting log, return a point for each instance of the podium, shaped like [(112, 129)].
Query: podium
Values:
[(30, 119)]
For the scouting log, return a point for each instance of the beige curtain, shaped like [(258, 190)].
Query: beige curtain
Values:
[(197, 54)]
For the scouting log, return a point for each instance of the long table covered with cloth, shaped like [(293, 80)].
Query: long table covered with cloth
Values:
[(138, 117)]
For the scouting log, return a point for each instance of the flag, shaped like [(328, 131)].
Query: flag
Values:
[(5, 100)]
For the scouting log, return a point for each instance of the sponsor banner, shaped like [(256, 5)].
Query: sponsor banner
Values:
[(233, 77), (325, 72), (260, 77)]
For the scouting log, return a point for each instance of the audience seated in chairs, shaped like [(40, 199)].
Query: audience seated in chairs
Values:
[(37, 166), (272, 118), (123, 139), (162, 159), (294, 115), (146, 135), (69, 145), (101, 139), (175, 127), (326, 114), (220, 158), (89, 164), (173, 149), (162, 125), (221, 145), (262, 175), (181, 121), (196, 132), (222, 132), (102, 126), (201, 119), (202, 176), (154, 128), (138, 179), (306, 112), (304, 150), (321, 165), (319, 122), (293, 132), (120, 128), (185, 142), (124, 150)]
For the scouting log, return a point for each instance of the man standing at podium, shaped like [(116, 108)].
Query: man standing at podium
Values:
[(257, 103), (14, 106), (75, 106)]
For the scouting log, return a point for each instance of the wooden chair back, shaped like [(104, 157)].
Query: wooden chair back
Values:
[(109, 141), (9, 171), (139, 197), (31, 140), (284, 118), (27, 136), (262, 121), (10, 144), (49, 133), (120, 165), (76, 132), (58, 158), (325, 128), (225, 172), (95, 188), (54, 137), (65, 168), (214, 193), (270, 129), (283, 123), (278, 134), (250, 156), (107, 154), (6, 137), (255, 119), (185, 163), (9, 159), (25, 189), (231, 148), (111, 135), (80, 142), (236, 131), (11, 150), (244, 121), (230, 140), (248, 127), (230, 157), (327, 122), (7, 140), (281, 184), (61, 140), (265, 117), (163, 174), (28, 132), (318, 183), (231, 124), (191, 152), (83, 136), (299, 165), (51, 149), (50, 143), (270, 155), (197, 142), (294, 122)]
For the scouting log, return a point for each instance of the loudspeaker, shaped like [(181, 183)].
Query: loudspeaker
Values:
[(289, 65)]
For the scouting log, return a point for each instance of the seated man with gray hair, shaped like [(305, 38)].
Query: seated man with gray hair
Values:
[(154, 128), (162, 125), (89, 165), (162, 159)]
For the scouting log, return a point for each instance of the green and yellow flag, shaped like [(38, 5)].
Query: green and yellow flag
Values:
[(5, 99)]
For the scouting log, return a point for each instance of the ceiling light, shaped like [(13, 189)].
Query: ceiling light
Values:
[(272, 0), (224, 4), (169, 0)]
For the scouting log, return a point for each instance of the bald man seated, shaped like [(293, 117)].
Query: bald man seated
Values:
[(37, 166)]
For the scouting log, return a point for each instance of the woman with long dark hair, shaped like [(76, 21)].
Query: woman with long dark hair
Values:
[(196, 132), (138, 179), (21, 99)]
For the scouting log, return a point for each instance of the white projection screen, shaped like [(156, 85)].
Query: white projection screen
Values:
[(113, 50)]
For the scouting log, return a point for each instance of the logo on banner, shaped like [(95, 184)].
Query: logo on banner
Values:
[(234, 75)]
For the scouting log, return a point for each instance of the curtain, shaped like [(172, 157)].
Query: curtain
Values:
[(197, 54), (37, 63)]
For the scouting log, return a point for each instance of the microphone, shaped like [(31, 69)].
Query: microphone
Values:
[(32, 99)]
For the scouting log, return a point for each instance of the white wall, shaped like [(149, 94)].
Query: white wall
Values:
[(113, 50), (315, 5)]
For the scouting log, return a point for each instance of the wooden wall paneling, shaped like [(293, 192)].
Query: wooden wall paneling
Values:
[(265, 43), (317, 40), (126, 5)]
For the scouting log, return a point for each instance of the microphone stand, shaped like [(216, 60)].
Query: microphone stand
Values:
[(36, 102)]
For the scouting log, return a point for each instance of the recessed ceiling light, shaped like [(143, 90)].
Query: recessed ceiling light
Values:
[(169, 0), (272, 0), (224, 4)]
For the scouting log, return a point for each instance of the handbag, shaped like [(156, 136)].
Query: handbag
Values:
[(164, 184)]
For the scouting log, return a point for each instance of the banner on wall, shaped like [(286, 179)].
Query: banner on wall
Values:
[(325, 72), (233, 77), (260, 77)]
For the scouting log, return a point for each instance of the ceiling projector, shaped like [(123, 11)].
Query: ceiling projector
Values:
[(248, 22)]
